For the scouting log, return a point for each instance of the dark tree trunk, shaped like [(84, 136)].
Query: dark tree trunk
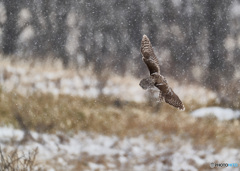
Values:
[(60, 36), (216, 20), (10, 32)]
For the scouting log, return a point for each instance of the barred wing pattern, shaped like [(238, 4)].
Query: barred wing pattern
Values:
[(174, 101), (166, 93), (149, 57)]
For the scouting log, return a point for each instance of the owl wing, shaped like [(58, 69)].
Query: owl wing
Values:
[(174, 100), (149, 57)]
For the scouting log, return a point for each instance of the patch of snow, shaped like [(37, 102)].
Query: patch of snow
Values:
[(94, 166), (28, 80), (220, 113), (100, 152), (123, 159), (7, 133)]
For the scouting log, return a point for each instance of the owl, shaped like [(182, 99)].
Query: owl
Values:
[(156, 79)]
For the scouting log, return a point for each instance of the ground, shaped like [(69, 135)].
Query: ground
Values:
[(80, 121)]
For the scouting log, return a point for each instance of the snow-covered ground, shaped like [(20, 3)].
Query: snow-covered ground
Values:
[(99, 152), (27, 79), (218, 112)]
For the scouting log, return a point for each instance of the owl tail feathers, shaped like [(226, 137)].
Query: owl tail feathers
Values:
[(147, 83)]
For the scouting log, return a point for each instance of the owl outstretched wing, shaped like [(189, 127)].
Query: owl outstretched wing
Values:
[(149, 57), (174, 100)]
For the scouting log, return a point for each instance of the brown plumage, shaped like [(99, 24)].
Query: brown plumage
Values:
[(155, 79)]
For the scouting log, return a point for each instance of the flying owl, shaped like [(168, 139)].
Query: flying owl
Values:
[(156, 79)]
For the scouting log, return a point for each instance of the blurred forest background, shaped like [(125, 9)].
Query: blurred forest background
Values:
[(71, 68), (197, 41)]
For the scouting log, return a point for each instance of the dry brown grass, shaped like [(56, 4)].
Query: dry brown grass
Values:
[(110, 116), (15, 162)]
